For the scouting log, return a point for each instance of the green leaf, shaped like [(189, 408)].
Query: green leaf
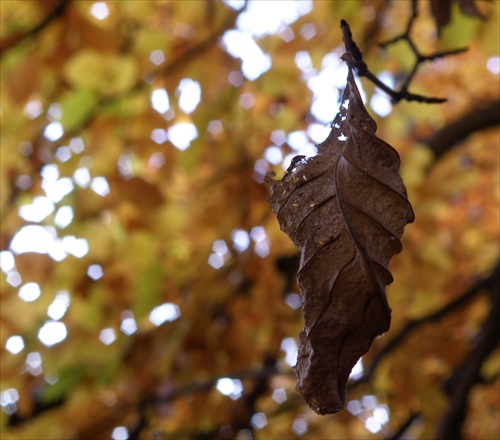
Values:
[(77, 105), (460, 31), (108, 75), (84, 69)]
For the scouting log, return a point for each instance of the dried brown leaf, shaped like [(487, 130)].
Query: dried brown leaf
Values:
[(469, 7), (345, 209), (442, 10)]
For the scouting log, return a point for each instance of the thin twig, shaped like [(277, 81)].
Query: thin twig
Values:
[(406, 33), (404, 427), (355, 59), (467, 374), (257, 374), (471, 122), (419, 57), (10, 42)]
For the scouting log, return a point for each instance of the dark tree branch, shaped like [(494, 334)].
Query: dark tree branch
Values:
[(355, 59), (475, 120), (412, 325), (406, 33), (419, 57), (10, 42), (403, 428), (245, 406), (459, 385), (442, 11)]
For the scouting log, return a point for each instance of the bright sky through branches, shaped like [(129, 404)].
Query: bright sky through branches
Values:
[(260, 19)]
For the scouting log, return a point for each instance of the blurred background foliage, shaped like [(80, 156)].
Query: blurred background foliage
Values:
[(146, 289)]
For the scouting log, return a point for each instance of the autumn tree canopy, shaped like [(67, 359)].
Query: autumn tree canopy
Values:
[(147, 291)]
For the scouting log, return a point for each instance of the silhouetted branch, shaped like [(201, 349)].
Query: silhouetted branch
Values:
[(244, 406), (406, 33), (412, 325), (17, 38), (459, 385), (442, 11), (356, 61), (257, 374), (404, 427), (475, 120), (419, 57)]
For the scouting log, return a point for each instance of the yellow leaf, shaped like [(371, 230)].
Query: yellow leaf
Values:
[(107, 74)]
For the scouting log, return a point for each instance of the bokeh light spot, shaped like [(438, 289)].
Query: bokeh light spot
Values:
[(39, 209), (33, 109), (8, 399), (7, 262), (81, 176), (230, 387), (77, 247), (190, 95), (76, 145), (215, 127), (14, 344), (157, 57), (57, 189), (64, 216), (100, 186), (107, 336), (95, 271), (493, 65), (299, 425), (53, 131), (160, 101), (258, 420), (216, 261), (157, 160), (52, 332), (279, 395), (14, 279), (120, 433), (273, 155), (34, 363), (163, 313), (289, 346), (242, 45), (128, 324), (29, 292), (33, 238), (357, 370), (99, 10), (292, 300), (159, 135), (63, 154), (241, 239), (182, 134), (58, 307)]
